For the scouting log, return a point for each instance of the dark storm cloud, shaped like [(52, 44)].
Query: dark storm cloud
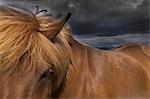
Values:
[(95, 10), (99, 16)]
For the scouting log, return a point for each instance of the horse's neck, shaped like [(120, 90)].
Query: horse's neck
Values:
[(82, 52), (85, 61), (79, 52)]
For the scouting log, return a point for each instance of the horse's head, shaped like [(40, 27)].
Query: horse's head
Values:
[(34, 54)]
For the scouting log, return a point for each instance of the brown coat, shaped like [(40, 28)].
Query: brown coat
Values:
[(120, 73)]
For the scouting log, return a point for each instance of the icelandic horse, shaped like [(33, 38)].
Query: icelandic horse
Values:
[(40, 59)]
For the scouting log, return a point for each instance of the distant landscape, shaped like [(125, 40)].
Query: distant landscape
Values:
[(109, 42)]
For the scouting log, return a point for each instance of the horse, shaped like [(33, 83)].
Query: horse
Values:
[(122, 72), (40, 59)]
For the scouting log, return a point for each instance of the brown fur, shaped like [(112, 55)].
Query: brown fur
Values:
[(120, 73), (26, 52)]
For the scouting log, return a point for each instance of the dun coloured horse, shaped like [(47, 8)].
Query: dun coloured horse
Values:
[(40, 59)]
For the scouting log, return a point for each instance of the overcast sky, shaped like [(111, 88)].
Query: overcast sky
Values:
[(101, 17)]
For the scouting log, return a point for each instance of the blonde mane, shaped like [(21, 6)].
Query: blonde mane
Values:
[(24, 46)]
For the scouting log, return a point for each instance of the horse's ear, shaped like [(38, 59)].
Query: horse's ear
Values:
[(54, 29)]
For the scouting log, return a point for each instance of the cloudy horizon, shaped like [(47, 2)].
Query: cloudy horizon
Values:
[(90, 16), (99, 17)]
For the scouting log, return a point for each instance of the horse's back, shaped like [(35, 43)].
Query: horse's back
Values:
[(135, 50), (128, 71), (139, 53), (121, 72)]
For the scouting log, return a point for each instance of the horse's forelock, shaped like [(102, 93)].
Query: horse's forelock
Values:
[(23, 46)]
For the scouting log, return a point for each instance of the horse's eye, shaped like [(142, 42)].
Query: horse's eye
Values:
[(46, 74)]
